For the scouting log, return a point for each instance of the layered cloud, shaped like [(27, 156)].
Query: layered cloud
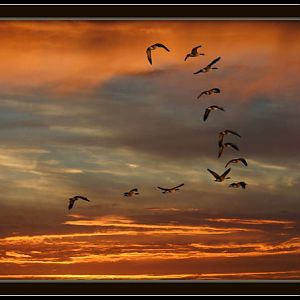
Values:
[(124, 242)]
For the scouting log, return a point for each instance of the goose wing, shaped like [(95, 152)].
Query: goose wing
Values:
[(221, 138), (163, 189), (82, 198), (162, 46), (203, 93), (207, 111), (233, 146), (226, 172), (194, 50), (213, 173), (187, 56), (233, 132), (149, 55), (243, 160), (221, 148), (216, 90), (178, 186), (133, 190), (71, 203), (199, 71), (229, 162), (213, 62), (218, 107)]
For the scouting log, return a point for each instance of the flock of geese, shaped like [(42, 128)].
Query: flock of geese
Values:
[(218, 178)]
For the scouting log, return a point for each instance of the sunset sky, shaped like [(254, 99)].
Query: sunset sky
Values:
[(82, 112)]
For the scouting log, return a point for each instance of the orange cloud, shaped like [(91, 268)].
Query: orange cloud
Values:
[(120, 222), (255, 275), (251, 221), (74, 56)]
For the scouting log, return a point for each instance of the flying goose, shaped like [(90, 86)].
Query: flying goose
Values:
[(171, 190), (236, 160), (153, 47), (219, 178), (209, 66), (75, 198), (226, 132), (194, 53), (238, 184), (209, 92), (226, 145), (209, 109), (131, 193)]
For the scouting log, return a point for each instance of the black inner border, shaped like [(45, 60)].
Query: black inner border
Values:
[(149, 11)]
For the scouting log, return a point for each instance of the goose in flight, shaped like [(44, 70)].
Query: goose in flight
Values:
[(153, 47), (226, 132), (210, 92), (194, 53), (238, 184), (209, 66), (171, 190), (131, 193), (75, 198), (209, 109), (226, 145), (220, 178), (236, 160)]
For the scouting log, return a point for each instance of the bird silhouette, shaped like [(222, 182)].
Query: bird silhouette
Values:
[(194, 53), (210, 92), (220, 178), (238, 184), (131, 193), (209, 66), (171, 190), (153, 47), (209, 109), (236, 160), (75, 198)]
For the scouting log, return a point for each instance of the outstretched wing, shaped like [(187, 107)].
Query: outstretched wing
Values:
[(233, 146), (229, 163), (149, 55), (213, 62), (221, 138), (82, 198), (221, 148), (207, 111), (243, 160), (163, 189), (215, 90), (199, 71), (133, 190), (71, 203), (233, 132), (226, 172), (194, 50), (219, 107), (203, 93), (213, 173), (178, 186), (162, 46), (187, 56)]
